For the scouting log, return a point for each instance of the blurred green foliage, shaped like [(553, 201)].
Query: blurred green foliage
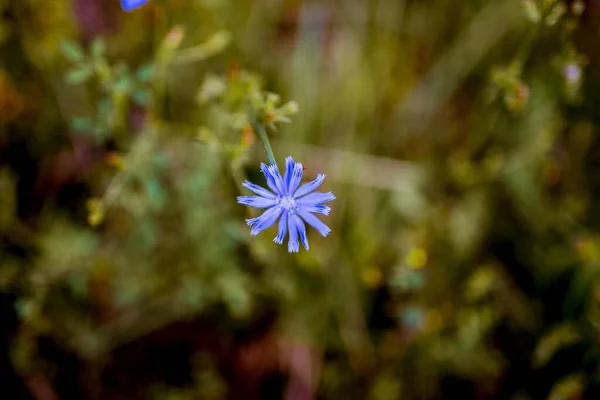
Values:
[(460, 138)]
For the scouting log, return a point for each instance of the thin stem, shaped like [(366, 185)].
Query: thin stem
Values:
[(260, 131)]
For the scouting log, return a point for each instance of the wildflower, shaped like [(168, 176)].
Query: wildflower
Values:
[(572, 73), (130, 5), (291, 204)]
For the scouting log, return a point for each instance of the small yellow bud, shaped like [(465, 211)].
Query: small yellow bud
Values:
[(371, 276), (95, 212), (114, 159), (416, 258)]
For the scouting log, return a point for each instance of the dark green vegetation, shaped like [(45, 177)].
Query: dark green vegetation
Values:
[(461, 139)]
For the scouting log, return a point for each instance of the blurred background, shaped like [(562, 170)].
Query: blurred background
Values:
[(461, 138)]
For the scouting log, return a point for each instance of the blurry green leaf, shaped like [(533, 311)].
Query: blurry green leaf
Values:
[(72, 51), (407, 279), (524, 187), (104, 108), (98, 47), (581, 286), (212, 87), (146, 233), (272, 100), (155, 192), (25, 308), (103, 71), (235, 294), (568, 388), (558, 11), (65, 247), (214, 45), (532, 10), (557, 338), (82, 124), (468, 222), (191, 293), (282, 119), (123, 84), (174, 37), (79, 75), (480, 283), (101, 131), (141, 97), (412, 317), (78, 285), (127, 294), (144, 72), (387, 386), (161, 161), (5, 30), (289, 108)]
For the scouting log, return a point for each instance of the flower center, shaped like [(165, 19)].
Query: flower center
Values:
[(288, 203)]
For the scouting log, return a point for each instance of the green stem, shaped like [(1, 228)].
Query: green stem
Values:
[(260, 131)]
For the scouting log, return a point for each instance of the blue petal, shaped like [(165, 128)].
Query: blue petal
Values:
[(259, 190), (282, 228), (301, 229), (295, 179), (293, 175), (314, 222), (256, 201), (310, 186), (293, 245), (317, 208), (274, 180), (289, 170), (130, 5), (315, 198), (278, 179), (267, 219)]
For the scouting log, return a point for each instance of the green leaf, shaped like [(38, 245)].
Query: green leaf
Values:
[(123, 84), (468, 222), (78, 285), (77, 76), (213, 87), (532, 11), (104, 107), (5, 31), (144, 72), (82, 124), (570, 387), (155, 192), (282, 119), (557, 338), (98, 48), (141, 97), (386, 386), (72, 51)]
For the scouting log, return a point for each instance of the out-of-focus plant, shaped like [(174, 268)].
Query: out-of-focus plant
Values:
[(460, 140), (117, 87)]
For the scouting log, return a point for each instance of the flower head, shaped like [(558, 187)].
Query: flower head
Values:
[(289, 202), (572, 73), (130, 5)]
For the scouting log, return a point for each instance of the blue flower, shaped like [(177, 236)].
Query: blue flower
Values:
[(130, 5), (291, 204)]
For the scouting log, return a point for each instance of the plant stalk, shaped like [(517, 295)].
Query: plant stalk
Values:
[(262, 134)]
